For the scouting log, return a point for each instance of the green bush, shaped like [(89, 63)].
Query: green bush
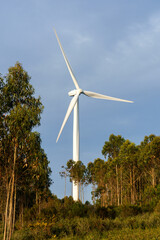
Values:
[(129, 210), (24, 234), (103, 212), (66, 219)]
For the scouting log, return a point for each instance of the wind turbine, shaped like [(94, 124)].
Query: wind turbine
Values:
[(74, 104)]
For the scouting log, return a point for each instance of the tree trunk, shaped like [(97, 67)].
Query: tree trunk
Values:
[(80, 192), (111, 195), (153, 177), (10, 218), (65, 186), (106, 195), (93, 193), (131, 187), (14, 209), (11, 196), (121, 187), (117, 185), (6, 210)]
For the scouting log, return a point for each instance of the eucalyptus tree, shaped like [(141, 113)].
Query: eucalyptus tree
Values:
[(98, 172), (90, 179), (129, 157), (22, 113), (77, 173), (2, 131), (150, 158), (64, 175), (111, 149)]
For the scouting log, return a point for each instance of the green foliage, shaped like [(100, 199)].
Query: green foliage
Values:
[(66, 219), (129, 210), (109, 212), (24, 234), (112, 147), (130, 234), (91, 227), (24, 171), (76, 171)]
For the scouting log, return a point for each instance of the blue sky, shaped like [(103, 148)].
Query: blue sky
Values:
[(113, 48)]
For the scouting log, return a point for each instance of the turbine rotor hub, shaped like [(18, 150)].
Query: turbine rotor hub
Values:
[(74, 92)]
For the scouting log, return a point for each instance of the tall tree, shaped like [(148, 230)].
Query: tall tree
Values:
[(77, 172), (22, 112), (64, 175), (128, 155), (150, 157), (111, 149), (100, 168)]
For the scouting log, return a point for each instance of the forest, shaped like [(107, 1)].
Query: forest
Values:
[(130, 173), (125, 184)]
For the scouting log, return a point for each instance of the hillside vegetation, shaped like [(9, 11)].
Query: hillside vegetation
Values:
[(65, 219)]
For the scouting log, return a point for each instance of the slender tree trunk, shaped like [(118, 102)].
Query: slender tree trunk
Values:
[(117, 185), (11, 210), (10, 216), (106, 194), (80, 192), (13, 213), (111, 195), (93, 191), (101, 194), (9, 224), (65, 186), (14, 209), (83, 192), (134, 188), (6, 211), (131, 187), (153, 177), (121, 187), (102, 198), (141, 188)]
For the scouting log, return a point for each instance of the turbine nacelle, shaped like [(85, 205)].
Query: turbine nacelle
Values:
[(74, 92)]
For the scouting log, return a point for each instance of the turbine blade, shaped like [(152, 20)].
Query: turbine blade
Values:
[(100, 96), (69, 110), (67, 63)]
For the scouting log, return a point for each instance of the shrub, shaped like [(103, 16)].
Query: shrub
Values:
[(24, 234), (103, 212), (129, 210)]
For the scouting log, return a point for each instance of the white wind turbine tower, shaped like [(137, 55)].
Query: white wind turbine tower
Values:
[(75, 104)]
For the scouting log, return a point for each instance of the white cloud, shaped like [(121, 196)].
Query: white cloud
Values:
[(80, 39), (136, 56), (76, 36)]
